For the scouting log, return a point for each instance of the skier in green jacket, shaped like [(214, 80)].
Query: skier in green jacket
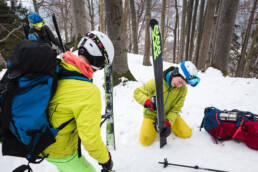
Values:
[(81, 101), (175, 90)]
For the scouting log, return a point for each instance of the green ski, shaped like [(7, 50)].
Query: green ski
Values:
[(110, 132)]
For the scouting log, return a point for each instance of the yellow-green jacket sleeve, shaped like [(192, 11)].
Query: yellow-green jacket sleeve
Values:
[(145, 92)]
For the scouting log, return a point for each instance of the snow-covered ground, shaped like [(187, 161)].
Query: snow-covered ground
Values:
[(130, 156)]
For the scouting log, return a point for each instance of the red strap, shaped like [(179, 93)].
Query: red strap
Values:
[(217, 117), (238, 129)]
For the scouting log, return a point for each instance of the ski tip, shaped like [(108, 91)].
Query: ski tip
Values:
[(153, 22)]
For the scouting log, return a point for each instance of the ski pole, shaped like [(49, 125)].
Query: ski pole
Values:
[(187, 166), (58, 33)]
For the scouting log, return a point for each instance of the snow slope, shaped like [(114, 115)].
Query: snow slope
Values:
[(213, 90)]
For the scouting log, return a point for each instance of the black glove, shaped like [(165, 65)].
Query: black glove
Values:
[(165, 131), (150, 103), (107, 167)]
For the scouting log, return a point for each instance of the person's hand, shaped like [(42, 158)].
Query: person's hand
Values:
[(107, 167), (165, 130), (150, 104)]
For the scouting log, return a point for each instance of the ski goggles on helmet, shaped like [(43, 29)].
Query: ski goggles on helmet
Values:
[(100, 45), (38, 25), (192, 80)]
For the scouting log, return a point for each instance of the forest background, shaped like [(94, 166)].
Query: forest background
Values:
[(218, 33)]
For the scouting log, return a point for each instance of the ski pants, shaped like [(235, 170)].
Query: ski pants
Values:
[(72, 164), (148, 132)]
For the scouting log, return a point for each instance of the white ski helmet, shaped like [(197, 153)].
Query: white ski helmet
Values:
[(97, 48), (189, 72), (186, 69)]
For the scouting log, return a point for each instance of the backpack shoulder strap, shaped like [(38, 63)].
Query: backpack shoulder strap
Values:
[(66, 74)]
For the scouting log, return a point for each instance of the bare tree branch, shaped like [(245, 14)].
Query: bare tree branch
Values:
[(10, 33)]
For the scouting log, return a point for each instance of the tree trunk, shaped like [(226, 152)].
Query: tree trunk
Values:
[(190, 54), (224, 34), (252, 56), (207, 32), (126, 21), (200, 30), (13, 5), (141, 14), (175, 34), (188, 28), (163, 17), (178, 40), (64, 12), (102, 25), (182, 34), (130, 37), (241, 62), (134, 27), (116, 32), (214, 31), (91, 13), (79, 18), (35, 5), (146, 58)]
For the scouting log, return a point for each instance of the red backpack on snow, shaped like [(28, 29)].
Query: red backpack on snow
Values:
[(234, 124)]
